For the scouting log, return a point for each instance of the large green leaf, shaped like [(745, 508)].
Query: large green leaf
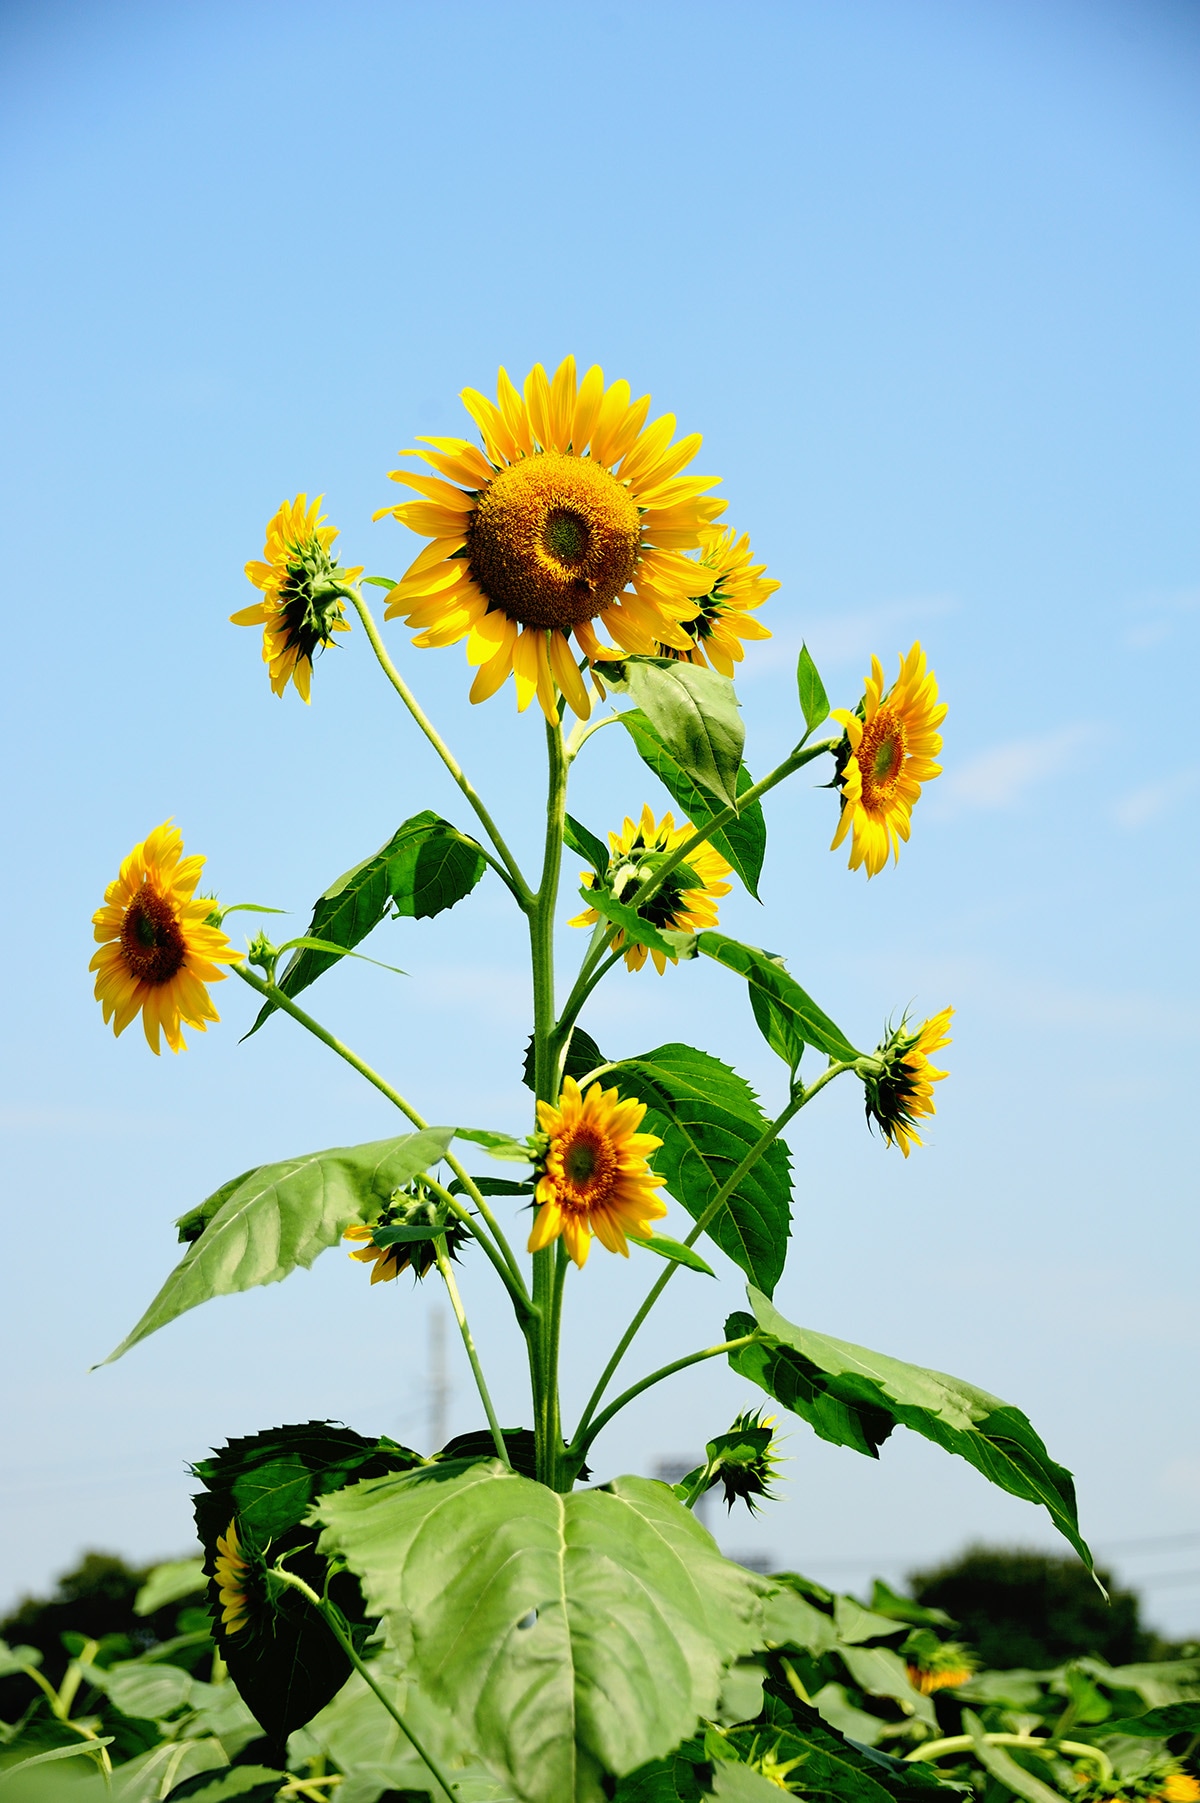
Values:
[(571, 1636), (744, 841), (854, 1397), (427, 865), (1156, 1724), (708, 1118), (284, 1660), (694, 712), (767, 973), (263, 1225)]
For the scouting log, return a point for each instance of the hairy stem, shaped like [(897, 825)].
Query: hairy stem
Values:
[(337, 1627), (512, 870), (460, 1315)]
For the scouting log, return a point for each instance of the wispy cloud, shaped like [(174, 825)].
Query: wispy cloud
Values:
[(1159, 617), (1152, 800), (1001, 777)]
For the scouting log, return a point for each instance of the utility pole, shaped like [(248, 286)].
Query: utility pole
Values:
[(439, 1382)]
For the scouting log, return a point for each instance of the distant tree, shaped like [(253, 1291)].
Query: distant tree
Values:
[(1020, 1607)]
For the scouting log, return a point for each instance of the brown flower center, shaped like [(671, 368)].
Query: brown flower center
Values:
[(553, 540), (151, 940), (881, 755), (588, 1164)]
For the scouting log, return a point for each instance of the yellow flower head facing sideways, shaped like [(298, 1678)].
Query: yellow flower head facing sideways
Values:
[(890, 747), (158, 951), (231, 1573), (901, 1093), (594, 1177), (724, 618), (573, 516), (303, 594), (687, 901)]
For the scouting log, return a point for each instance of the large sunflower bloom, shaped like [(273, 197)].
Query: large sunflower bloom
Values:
[(724, 619), (890, 746), (230, 1574), (902, 1089), (575, 514), (682, 905), (594, 1178), (157, 949), (303, 591)]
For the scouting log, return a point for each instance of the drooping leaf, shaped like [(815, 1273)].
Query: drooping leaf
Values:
[(500, 1145), (695, 714), (571, 1636), (672, 1250), (814, 702), (778, 1027), (169, 1583), (284, 1660), (270, 1221), (427, 865), (839, 1767), (1156, 1724), (577, 837), (89, 1748), (766, 971), (583, 1057), (743, 842), (637, 929), (854, 1397), (708, 1119)]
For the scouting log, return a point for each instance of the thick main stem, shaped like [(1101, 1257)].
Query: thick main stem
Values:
[(547, 1284)]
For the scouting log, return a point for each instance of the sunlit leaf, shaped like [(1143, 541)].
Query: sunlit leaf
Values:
[(673, 1250), (694, 711), (814, 702), (765, 971), (743, 842), (578, 839)]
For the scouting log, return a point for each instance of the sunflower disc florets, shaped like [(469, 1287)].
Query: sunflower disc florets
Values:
[(405, 1235)]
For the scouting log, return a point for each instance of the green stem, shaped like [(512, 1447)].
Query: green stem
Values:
[(513, 878), (547, 1433), (460, 1315), (761, 1145), (579, 1446), (592, 971), (963, 1743), (501, 1253), (795, 761), (336, 1626), (581, 733)]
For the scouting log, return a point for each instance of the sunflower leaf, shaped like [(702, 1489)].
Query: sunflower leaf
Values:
[(854, 1397), (631, 923), (814, 702), (570, 1636), (743, 843), (585, 844), (694, 712), (708, 1118), (426, 866), (766, 972), (672, 1250), (583, 1056), (499, 1145), (263, 1225)]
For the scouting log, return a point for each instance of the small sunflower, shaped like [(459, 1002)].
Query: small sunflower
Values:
[(888, 752), (687, 901), (724, 619), (1163, 1782), (158, 949), (303, 591), (594, 1177), (900, 1091), (574, 514), (943, 1668), (1179, 1787), (410, 1212), (231, 1574)]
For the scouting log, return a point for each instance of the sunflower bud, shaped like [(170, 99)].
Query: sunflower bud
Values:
[(405, 1235), (743, 1461), (935, 1664)]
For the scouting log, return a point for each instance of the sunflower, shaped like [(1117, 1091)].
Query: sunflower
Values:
[(888, 752), (230, 1574), (901, 1089), (574, 514), (303, 591), (409, 1211), (594, 1176), (946, 1668), (1178, 1787), (724, 618), (688, 898), (158, 949)]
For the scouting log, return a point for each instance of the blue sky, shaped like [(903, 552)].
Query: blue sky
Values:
[(925, 275)]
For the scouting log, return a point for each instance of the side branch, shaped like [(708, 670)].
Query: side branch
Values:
[(579, 1448)]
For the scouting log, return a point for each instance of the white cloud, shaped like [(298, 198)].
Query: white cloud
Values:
[(1151, 801), (999, 778), (1160, 617)]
